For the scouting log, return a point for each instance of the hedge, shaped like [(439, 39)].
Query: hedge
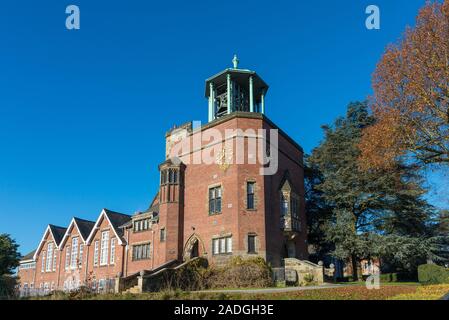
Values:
[(432, 274), (397, 277)]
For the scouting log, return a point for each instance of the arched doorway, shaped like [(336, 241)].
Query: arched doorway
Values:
[(193, 248)]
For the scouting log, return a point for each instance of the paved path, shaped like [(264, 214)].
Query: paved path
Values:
[(446, 297), (276, 290)]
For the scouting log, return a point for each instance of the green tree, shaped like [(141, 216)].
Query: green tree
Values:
[(364, 202), (9, 260), (318, 213)]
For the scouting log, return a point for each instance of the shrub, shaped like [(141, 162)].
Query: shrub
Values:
[(432, 274), (397, 277), (7, 287), (240, 273), (309, 280)]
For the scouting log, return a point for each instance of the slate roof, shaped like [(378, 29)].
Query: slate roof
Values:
[(117, 219), (58, 233), (28, 256), (84, 227)]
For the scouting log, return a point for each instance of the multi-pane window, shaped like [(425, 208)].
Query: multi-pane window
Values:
[(49, 257), (169, 176), (142, 251), (30, 265), (112, 250), (74, 257), (104, 248), (222, 245), (67, 257), (250, 195), (81, 255), (142, 225), (295, 208), (284, 205), (251, 243), (96, 253), (163, 235), (295, 213), (43, 262), (215, 200), (54, 260)]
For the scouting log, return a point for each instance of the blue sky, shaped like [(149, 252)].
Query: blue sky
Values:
[(83, 113)]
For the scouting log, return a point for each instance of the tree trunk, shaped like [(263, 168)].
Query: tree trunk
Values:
[(355, 276)]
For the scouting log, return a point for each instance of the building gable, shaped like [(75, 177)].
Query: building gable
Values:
[(56, 233), (115, 220)]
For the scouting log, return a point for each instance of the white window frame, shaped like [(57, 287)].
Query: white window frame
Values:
[(96, 250), (112, 260), (49, 257), (104, 248), (222, 246), (229, 245), (54, 259), (74, 255), (43, 261), (67, 257), (81, 255), (215, 246)]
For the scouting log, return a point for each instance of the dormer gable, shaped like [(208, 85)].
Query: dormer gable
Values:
[(115, 220), (83, 228), (56, 233)]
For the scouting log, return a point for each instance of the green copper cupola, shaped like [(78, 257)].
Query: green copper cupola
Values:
[(234, 90)]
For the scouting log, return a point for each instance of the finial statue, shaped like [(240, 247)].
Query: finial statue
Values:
[(235, 61)]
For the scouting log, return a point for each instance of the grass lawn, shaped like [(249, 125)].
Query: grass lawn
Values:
[(395, 291)]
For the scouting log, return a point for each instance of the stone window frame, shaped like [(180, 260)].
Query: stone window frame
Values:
[(218, 238), (142, 224), (254, 182), (295, 210), (170, 175), (215, 186), (256, 242), (141, 244), (163, 231), (288, 196)]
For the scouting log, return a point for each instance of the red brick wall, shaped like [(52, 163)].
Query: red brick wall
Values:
[(135, 238), (77, 275), (26, 276), (43, 276), (235, 219), (107, 271)]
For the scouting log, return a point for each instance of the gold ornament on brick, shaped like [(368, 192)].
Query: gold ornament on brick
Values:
[(224, 158)]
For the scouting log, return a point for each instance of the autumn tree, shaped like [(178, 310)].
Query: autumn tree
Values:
[(364, 213), (411, 95)]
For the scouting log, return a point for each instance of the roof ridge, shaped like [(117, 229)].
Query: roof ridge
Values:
[(81, 219), (115, 212)]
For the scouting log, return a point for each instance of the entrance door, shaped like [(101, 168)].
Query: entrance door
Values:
[(195, 250), (291, 249)]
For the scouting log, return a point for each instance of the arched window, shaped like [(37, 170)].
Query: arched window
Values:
[(175, 176)]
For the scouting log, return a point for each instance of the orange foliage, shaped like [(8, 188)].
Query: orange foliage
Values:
[(411, 95)]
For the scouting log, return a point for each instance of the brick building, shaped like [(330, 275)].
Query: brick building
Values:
[(227, 188)]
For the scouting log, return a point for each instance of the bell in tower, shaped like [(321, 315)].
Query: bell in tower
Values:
[(235, 90)]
